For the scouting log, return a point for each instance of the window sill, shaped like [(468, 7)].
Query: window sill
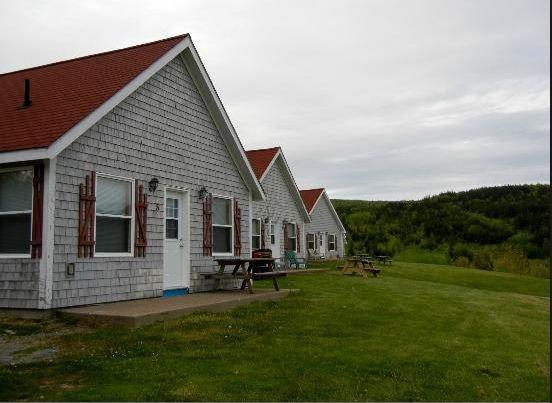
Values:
[(108, 254), (15, 256), (226, 254)]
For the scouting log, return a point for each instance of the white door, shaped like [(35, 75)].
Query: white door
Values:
[(274, 240), (176, 260), (322, 244)]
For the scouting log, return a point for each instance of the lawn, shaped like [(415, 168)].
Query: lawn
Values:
[(418, 332)]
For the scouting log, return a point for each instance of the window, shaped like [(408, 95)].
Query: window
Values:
[(171, 219), (256, 234), (272, 234), (310, 241), (114, 215), (292, 237), (222, 225), (331, 242), (16, 201)]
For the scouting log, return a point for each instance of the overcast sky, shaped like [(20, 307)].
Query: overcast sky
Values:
[(378, 100)]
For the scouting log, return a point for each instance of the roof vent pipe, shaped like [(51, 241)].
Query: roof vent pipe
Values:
[(27, 101)]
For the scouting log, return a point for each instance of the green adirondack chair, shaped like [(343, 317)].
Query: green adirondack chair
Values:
[(293, 260)]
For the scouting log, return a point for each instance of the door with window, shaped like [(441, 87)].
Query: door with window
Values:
[(322, 244), (274, 240), (176, 261)]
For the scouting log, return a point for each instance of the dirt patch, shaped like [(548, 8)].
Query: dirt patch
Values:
[(30, 340)]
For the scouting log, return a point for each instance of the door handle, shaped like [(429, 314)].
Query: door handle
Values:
[(181, 242)]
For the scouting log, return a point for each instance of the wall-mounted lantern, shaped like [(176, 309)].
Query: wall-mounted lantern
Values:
[(202, 193), (152, 185)]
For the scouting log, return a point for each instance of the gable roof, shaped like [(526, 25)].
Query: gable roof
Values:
[(311, 198), (263, 160), (64, 93), (69, 97)]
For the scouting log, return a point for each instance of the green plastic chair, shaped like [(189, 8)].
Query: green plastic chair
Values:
[(293, 260)]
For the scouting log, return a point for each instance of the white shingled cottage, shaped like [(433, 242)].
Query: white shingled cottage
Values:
[(278, 222), (121, 176), (325, 234)]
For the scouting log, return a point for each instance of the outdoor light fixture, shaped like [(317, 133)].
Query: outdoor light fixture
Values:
[(202, 193), (266, 220), (153, 185)]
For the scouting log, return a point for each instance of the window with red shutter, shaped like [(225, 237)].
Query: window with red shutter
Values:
[(237, 229), (87, 203), (141, 210), (38, 208), (208, 226)]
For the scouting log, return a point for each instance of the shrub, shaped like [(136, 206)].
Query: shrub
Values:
[(483, 259), (461, 261), (461, 250)]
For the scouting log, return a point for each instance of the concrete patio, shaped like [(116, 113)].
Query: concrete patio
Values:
[(144, 311)]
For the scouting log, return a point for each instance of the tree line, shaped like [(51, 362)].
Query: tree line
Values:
[(459, 224)]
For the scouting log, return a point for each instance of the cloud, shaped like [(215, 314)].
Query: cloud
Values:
[(370, 99)]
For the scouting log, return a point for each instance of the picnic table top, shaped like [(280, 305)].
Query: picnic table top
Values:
[(244, 259)]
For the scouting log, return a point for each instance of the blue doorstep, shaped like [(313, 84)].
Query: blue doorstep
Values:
[(175, 292)]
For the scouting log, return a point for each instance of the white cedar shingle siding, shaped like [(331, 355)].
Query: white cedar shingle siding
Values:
[(162, 130), (281, 205), (322, 220), (19, 283)]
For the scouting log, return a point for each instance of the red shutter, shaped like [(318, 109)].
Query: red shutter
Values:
[(87, 208), (141, 210), (285, 237), (208, 226), (237, 229), (38, 206), (298, 234), (263, 234)]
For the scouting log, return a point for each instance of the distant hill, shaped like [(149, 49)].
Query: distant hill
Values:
[(513, 215)]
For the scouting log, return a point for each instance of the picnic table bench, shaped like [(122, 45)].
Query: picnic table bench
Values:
[(244, 269), (360, 265)]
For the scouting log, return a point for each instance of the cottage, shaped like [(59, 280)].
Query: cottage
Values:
[(325, 236), (121, 176), (278, 222)]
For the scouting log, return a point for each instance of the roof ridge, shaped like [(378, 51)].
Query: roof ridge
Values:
[(264, 149), (94, 55)]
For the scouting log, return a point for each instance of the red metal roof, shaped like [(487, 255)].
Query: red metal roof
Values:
[(310, 196), (261, 159), (64, 93)]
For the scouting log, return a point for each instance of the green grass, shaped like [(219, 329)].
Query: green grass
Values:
[(417, 332), (413, 254)]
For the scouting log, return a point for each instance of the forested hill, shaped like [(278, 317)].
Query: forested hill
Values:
[(454, 222)]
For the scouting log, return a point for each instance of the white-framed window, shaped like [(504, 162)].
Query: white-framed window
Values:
[(255, 234), (114, 216), (292, 236), (223, 225), (272, 233), (311, 244), (16, 210), (331, 242), (172, 217)]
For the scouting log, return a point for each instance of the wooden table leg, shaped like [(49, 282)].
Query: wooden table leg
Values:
[(274, 280), (217, 280)]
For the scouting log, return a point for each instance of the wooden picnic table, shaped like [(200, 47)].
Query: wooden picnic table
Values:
[(243, 268), (359, 265), (384, 259)]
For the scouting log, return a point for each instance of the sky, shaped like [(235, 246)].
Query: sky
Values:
[(375, 100)]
